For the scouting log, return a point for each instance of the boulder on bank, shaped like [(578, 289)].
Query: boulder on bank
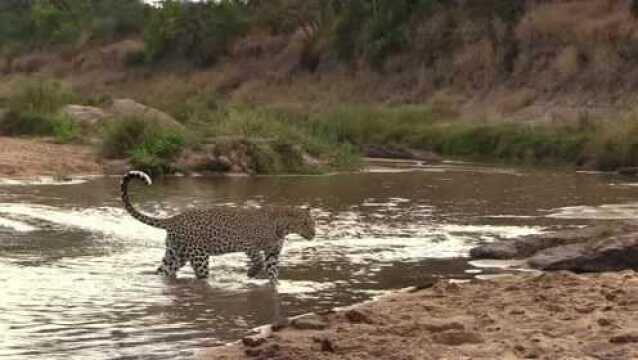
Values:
[(85, 115), (131, 108), (614, 253)]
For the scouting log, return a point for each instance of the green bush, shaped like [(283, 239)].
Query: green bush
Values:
[(149, 147), (200, 32), (34, 110), (25, 25), (26, 123), (157, 152), (122, 136), (64, 129), (135, 58)]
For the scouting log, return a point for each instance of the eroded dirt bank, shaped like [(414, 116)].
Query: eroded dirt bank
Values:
[(26, 157), (551, 316)]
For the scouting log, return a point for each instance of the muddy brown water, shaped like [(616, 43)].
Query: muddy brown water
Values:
[(76, 271)]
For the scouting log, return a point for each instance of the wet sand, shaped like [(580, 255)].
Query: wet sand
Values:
[(28, 157), (550, 316)]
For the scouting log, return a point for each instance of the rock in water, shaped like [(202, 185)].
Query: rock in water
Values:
[(610, 254), (529, 245)]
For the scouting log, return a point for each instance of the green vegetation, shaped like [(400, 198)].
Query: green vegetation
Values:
[(279, 139), (202, 32), (150, 148), (35, 110), (426, 48), (40, 96), (26, 25)]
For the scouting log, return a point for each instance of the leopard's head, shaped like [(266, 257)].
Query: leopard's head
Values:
[(302, 223)]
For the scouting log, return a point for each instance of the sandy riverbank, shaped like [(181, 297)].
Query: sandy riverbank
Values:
[(28, 157), (551, 316)]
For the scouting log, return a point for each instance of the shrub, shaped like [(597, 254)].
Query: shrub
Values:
[(40, 96), (149, 147), (200, 32), (64, 129), (135, 58), (34, 110), (122, 136), (157, 152), (26, 123)]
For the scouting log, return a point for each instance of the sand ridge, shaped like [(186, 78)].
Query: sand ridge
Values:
[(20, 157), (550, 316)]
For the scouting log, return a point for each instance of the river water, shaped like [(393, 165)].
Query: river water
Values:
[(76, 271)]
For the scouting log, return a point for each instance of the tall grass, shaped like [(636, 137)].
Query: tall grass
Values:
[(604, 144), (34, 109), (40, 96)]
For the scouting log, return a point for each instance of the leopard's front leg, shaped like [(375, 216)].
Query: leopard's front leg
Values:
[(256, 262), (199, 263), (272, 263)]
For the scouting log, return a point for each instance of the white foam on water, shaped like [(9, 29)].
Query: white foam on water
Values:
[(497, 264), (105, 220), (42, 180), (510, 216), (602, 212), (16, 225), (389, 170)]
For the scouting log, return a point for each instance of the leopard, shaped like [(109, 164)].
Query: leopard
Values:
[(195, 235)]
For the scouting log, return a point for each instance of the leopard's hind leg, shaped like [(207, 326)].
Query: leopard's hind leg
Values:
[(173, 260)]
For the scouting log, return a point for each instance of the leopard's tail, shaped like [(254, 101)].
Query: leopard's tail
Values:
[(155, 222)]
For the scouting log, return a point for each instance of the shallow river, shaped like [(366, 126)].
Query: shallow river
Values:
[(75, 269)]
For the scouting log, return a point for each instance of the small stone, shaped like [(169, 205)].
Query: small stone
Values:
[(517, 312), (441, 326), (327, 345), (625, 338), (252, 352), (280, 324), (253, 341), (585, 309), (555, 308), (604, 322), (455, 338), (309, 322), (357, 317)]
